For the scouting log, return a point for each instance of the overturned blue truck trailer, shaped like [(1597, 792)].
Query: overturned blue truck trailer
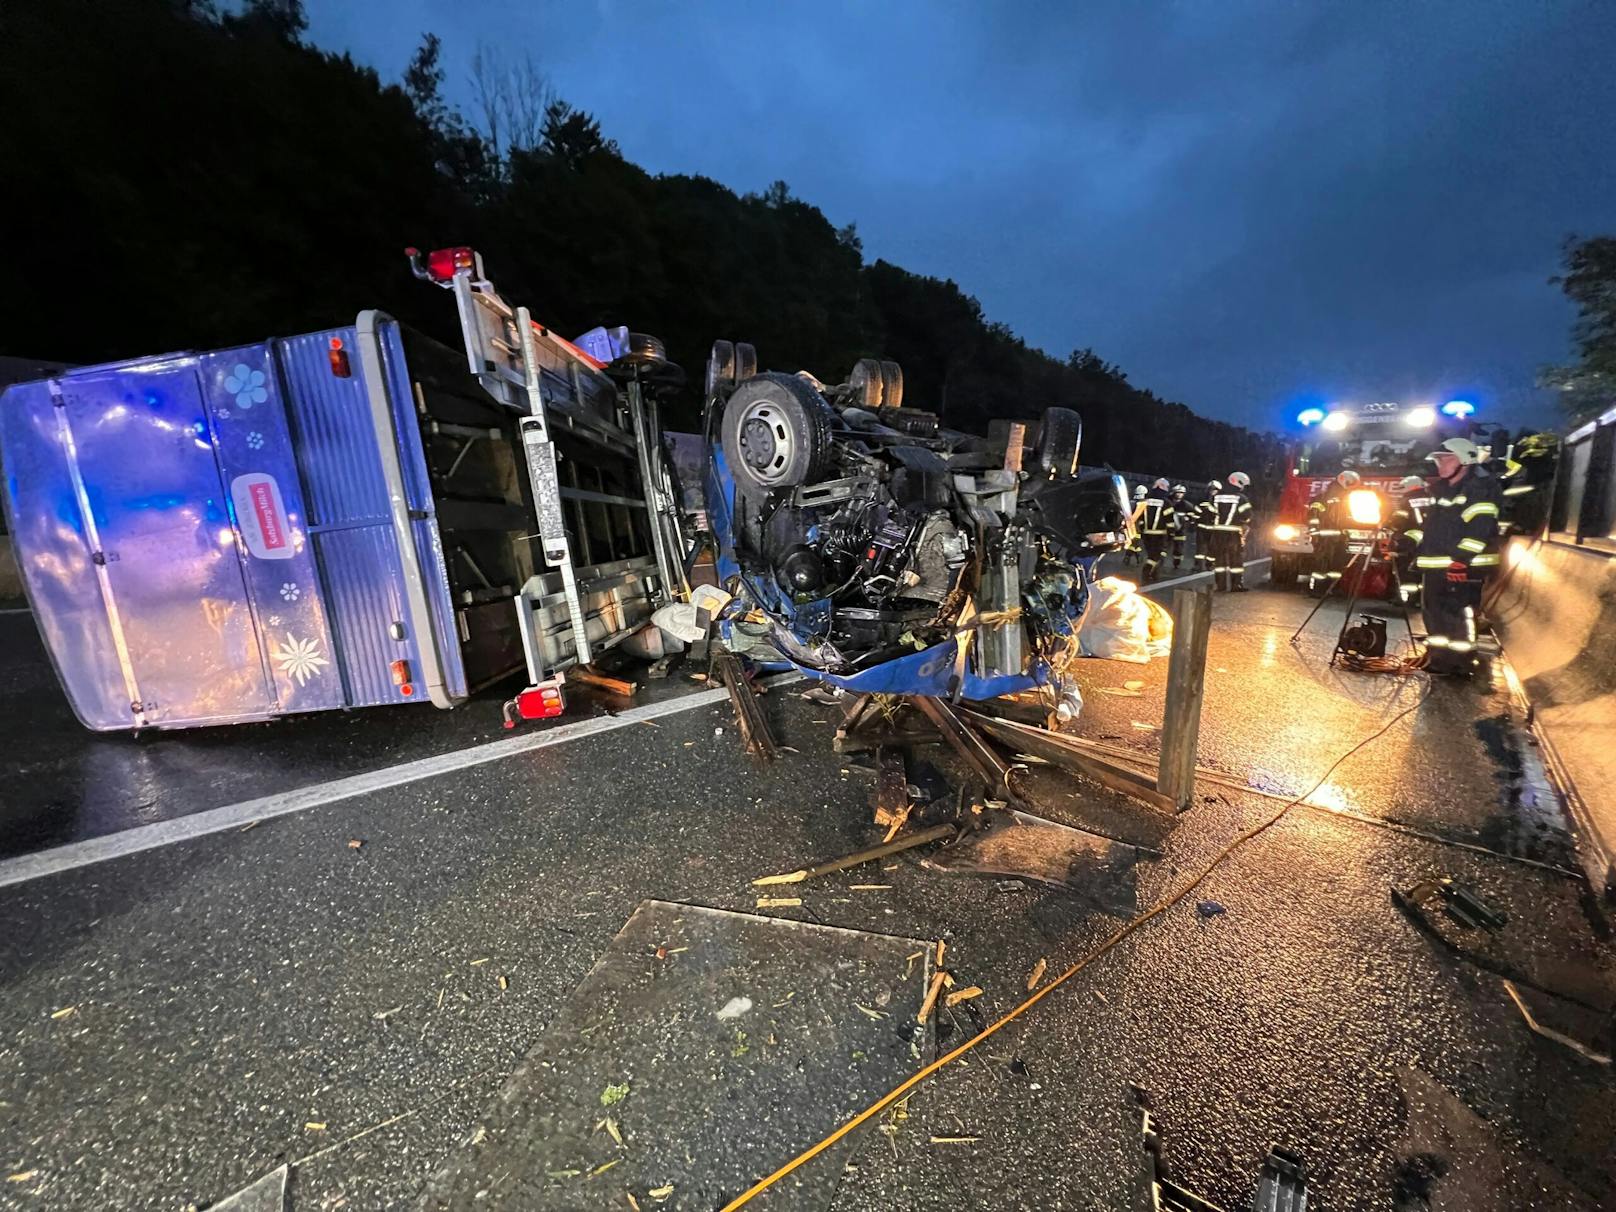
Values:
[(340, 519)]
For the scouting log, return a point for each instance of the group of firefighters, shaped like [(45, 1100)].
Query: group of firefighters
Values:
[(1163, 518), (1445, 535)]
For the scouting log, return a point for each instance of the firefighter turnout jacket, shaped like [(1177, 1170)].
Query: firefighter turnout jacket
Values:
[(1155, 515), (1327, 515), (1461, 524), (1408, 519), (1226, 511)]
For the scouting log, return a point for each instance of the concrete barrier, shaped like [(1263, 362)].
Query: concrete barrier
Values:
[(1555, 614)]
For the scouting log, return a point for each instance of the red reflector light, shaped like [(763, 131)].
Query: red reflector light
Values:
[(401, 673), (543, 703), (338, 357), (441, 263)]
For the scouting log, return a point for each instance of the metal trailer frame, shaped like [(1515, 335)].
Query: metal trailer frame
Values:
[(569, 612)]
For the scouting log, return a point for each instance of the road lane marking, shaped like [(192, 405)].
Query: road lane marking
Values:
[(27, 867)]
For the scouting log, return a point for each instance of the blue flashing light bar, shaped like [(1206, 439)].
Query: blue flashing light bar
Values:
[(1310, 416), (1458, 408)]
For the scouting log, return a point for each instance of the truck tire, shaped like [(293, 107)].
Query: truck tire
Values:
[(868, 381), (776, 434), (1060, 438), (745, 361), (720, 368), (891, 385)]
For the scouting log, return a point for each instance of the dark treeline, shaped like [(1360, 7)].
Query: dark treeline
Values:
[(185, 175)]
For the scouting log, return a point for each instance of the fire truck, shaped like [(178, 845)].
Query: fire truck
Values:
[(1383, 442)]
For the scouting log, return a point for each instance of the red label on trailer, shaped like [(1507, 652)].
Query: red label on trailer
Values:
[(262, 516)]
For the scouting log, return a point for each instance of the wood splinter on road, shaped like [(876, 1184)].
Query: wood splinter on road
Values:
[(931, 997), (934, 834), (961, 995)]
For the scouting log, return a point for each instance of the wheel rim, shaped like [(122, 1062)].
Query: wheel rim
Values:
[(766, 442)]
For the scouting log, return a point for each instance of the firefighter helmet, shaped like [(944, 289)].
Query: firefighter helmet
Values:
[(1214, 485), (1161, 482), (1349, 479), (1410, 483), (1239, 479), (1463, 449), (1139, 492), (1179, 490)]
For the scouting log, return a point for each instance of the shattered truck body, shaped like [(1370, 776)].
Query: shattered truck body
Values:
[(360, 516), (888, 554)]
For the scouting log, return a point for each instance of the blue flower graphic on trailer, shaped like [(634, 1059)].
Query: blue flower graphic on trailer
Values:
[(247, 385), (255, 440)]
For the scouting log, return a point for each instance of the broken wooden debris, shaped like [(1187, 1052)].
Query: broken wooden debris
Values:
[(932, 993), (1549, 1033), (1037, 974), (591, 676), (934, 834), (963, 995), (891, 795), (969, 744), (1076, 758), (749, 715)]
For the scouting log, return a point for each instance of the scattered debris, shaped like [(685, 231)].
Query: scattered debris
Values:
[(734, 1008), (354, 843), (931, 997), (955, 1140), (865, 1010), (22, 1176), (1281, 1184), (963, 995), (591, 676), (909, 968), (65, 1012), (314, 1125), (1461, 904), (779, 902), (1210, 909), (749, 715), (1037, 974), (1122, 692), (1134, 684), (1142, 726), (263, 1194), (934, 834), (660, 1193), (614, 1093), (504, 983), (382, 1016), (477, 962), (1559, 1037), (601, 1169), (609, 1126), (869, 887), (632, 1202)]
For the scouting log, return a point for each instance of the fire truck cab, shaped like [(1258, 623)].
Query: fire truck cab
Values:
[(1383, 442)]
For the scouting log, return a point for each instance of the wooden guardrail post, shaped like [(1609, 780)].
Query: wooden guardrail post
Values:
[(1186, 685)]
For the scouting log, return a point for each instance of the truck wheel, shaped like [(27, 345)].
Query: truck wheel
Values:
[(720, 367), (891, 385), (867, 379), (776, 434), (1282, 570), (1060, 438), (745, 361)]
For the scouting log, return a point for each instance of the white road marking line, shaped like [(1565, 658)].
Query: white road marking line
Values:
[(1194, 576), (232, 816), (15, 610)]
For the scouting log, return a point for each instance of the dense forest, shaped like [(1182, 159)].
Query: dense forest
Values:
[(183, 174)]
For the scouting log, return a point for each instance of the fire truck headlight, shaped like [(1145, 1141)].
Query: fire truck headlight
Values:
[(1363, 507), (1335, 422), (1285, 532), (1421, 418)]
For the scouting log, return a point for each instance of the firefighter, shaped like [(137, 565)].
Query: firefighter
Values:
[(1205, 514), (1183, 513), (1526, 479), (1327, 520), (1458, 550), (1155, 520), (1131, 554), (1231, 518), (1407, 527)]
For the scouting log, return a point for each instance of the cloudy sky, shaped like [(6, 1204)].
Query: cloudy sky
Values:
[(1246, 205)]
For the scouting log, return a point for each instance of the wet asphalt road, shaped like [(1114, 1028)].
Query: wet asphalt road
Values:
[(224, 993)]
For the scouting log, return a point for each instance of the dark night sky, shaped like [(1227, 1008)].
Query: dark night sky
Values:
[(1246, 205)]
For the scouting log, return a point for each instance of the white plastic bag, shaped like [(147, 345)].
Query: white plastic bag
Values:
[(1121, 624)]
